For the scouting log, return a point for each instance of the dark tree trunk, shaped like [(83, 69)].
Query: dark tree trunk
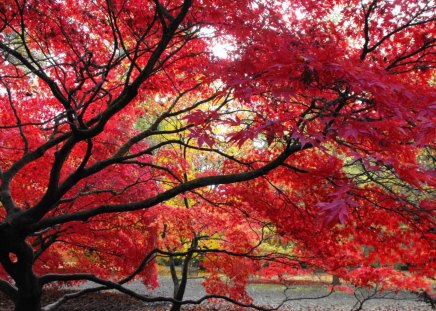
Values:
[(29, 293), (16, 257), (184, 279), (336, 280), (174, 277), (28, 302)]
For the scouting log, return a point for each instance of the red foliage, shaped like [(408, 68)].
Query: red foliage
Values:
[(117, 117)]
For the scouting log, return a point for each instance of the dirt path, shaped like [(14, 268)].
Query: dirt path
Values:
[(273, 295), (262, 294)]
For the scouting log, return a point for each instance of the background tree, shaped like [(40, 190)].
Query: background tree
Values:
[(332, 104)]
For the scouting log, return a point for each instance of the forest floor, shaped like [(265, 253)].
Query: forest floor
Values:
[(263, 294)]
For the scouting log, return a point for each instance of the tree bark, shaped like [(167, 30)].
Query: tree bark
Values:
[(184, 279), (16, 256), (336, 280), (29, 293), (174, 277), (28, 300)]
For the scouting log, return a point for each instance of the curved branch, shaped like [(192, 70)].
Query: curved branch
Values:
[(9, 290), (111, 285), (166, 195)]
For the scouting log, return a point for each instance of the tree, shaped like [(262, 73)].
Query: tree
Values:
[(312, 118)]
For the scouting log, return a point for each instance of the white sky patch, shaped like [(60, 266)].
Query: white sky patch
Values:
[(220, 47), (222, 50), (336, 14)]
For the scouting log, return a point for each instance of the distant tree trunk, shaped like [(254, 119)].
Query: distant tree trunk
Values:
[(174, 277), (184, 278), (336, 280)]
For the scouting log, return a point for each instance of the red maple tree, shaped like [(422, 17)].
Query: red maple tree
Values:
[(319, 120)]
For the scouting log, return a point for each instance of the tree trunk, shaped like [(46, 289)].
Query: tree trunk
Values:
[(29, 293), (174, 277), (184, 279), (28, 302), (336, 280), (16, 257)]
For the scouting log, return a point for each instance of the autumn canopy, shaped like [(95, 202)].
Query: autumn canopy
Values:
[(277, 136)]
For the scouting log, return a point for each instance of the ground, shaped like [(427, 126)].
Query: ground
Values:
[(263, 294)]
